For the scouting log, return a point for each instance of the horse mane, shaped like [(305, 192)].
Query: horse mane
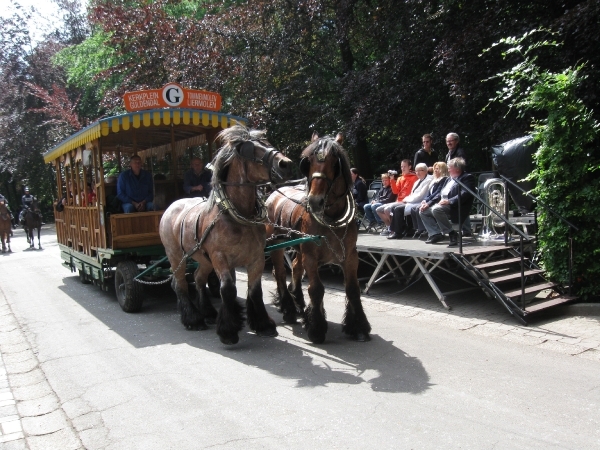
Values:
[(230, 138), (329, 144)]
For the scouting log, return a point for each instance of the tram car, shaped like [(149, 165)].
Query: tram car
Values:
[(96, 239)]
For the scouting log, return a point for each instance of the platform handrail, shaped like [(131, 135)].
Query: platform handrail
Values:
[(557, 215), (522, 235), (539, 202), (461, 185)]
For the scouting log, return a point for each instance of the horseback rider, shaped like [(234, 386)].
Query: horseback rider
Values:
[(26, 202), (4, 200)]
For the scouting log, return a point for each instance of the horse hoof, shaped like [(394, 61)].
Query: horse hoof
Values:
[(361, 337), (231, 340), (316, 339), (290, 319), (269, 332)]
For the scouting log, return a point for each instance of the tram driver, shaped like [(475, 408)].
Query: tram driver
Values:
[(196, 182), (134, 188)]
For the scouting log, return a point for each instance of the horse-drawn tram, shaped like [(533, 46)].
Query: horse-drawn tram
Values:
[(95, 236)]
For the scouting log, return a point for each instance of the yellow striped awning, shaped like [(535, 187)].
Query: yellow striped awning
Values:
[(143, 119)]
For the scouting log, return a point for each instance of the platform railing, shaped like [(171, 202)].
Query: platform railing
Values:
[(504, 218), (541, 204)]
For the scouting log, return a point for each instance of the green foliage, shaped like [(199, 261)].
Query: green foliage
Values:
[(82, 64), (567, 172)]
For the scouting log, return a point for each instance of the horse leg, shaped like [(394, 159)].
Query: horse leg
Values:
[(258, 318), (354, 323), (295, 287), (283, 299), (190, 316), (314, 316), (39, 243), (26, 234), (205, 306), (230, 319)]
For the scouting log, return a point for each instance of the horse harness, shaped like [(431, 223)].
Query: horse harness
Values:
[(224, 204)]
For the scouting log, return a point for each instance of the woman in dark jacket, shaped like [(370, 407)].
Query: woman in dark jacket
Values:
[(359, 190), (440, 177)]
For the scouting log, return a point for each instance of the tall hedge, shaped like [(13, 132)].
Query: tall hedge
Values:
[(567, 169)]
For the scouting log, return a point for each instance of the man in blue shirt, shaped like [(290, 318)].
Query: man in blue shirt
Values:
[(196, 181), (134, 188)]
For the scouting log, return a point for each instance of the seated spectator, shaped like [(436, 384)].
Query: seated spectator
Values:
[(401, 213), (359, 190), (196, 181), (384, 196), (440, 176), (438, 218), (134, 188), (60, 204), (401, 187), (91, 195)]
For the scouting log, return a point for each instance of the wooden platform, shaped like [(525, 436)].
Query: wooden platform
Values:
[(370, 242), (407, 260)]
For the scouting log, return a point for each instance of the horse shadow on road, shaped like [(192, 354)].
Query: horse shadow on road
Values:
[(379, 363)]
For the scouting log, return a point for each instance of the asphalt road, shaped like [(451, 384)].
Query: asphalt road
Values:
[(87, 375)]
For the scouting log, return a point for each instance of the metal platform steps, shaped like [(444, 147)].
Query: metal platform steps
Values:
[(513, 280)]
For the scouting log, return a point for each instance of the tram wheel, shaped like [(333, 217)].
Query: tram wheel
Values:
[(129, 292)]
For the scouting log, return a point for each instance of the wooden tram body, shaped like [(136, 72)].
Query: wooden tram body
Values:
[(94, 239)]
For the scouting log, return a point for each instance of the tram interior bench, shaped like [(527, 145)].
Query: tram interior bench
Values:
[(135, 229)]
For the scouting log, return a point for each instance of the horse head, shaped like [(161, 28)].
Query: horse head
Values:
[(4, 215), (265, 162), (326, 167)]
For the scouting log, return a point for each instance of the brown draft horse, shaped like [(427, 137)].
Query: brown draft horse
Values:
[(5, 227), (32, 220), (324, 207), (224, 232)]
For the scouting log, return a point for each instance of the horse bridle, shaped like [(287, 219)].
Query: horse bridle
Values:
[(350, 211), (247, 151)]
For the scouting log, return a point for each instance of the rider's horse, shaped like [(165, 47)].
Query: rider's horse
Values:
[(5, 227), (324, 207), (32, 220), (224, 232)]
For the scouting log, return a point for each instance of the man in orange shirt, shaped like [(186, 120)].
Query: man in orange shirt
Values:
[(401, 187)]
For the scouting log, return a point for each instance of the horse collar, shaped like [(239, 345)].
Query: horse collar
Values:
[(345, 220), (224, 204)]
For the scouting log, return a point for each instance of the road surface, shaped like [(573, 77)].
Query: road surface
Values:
[(84, 374)]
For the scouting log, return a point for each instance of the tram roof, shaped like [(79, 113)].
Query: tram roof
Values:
[(120, 130)]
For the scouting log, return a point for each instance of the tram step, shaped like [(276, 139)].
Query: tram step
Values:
[(549, 303), (497, 263), (515, 276), (530, 289)]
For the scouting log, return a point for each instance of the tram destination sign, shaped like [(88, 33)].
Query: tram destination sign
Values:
[(172, 95)]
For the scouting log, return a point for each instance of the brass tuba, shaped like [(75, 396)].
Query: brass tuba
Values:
[(495, 194)]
